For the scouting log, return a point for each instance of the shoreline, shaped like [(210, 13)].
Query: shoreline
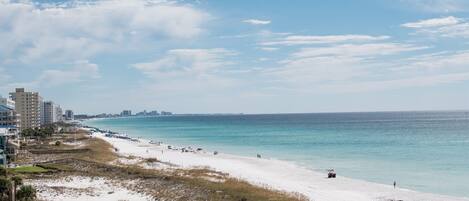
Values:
[(272, 173)]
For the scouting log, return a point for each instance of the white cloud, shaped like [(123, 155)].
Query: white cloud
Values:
[(367, 67), (79, 30), (333, 63), (189, 72), (337, 62), (312, 39), (438, 6), (78, 72), (440, 62), (184, 62), (357, 50), (257, 21), (259, 34), (417, 81), (4, 77), (441, 27), (269, 49), (314, 70), (435, 22)]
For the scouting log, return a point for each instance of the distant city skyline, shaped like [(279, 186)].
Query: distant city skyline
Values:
[(238, 56)]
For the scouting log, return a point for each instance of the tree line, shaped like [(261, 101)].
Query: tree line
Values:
[(43, 132)]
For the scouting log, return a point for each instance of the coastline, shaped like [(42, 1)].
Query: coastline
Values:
[(271, 173)]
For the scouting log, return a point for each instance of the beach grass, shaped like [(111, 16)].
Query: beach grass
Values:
[(179, 184), (236, 189), (29, 170), (100, 151), (55, 167)]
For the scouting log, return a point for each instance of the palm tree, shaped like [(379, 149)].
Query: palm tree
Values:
[(3, 171), (5, 186), (26, 193), (17, 181)]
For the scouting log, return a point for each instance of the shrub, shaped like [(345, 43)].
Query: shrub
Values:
[(26, 193), (5, 186), (151, 160), (23, 144), (3, 171)]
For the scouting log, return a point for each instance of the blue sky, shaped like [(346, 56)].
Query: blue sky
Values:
[(238, 56)]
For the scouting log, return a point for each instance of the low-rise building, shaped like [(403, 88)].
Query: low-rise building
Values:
[(9, 145), (7, 102), (8, 116)]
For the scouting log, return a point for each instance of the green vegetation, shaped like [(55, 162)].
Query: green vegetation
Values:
[(53, 166), (43, 132), (9, 185), (100, 151), (5, 185), (237, 189), (151, 160), (29, 169), (26, 193)]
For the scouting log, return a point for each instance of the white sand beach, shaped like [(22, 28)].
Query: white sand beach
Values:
[(82, 188), (275, 174)]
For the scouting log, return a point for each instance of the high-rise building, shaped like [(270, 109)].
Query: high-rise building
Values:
[(59, 115), (69, 115), (48, 112), (29, 106), (126, 113), (166, 113), (8, 116), (153, 113), (51, 113)]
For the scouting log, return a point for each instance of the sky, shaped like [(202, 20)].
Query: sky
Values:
[(255, 56)]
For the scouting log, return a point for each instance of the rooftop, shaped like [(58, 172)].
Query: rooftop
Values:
[(5, 131)]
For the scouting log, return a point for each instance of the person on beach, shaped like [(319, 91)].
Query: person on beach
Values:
[(394, 184)]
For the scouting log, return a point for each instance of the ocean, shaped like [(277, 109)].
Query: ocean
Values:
[(423, 151)]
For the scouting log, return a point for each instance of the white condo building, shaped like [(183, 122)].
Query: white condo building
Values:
[(29, 106), (59, 115), (51, 113)]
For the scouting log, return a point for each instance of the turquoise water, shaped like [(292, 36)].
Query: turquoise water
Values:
[(424, 151)]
